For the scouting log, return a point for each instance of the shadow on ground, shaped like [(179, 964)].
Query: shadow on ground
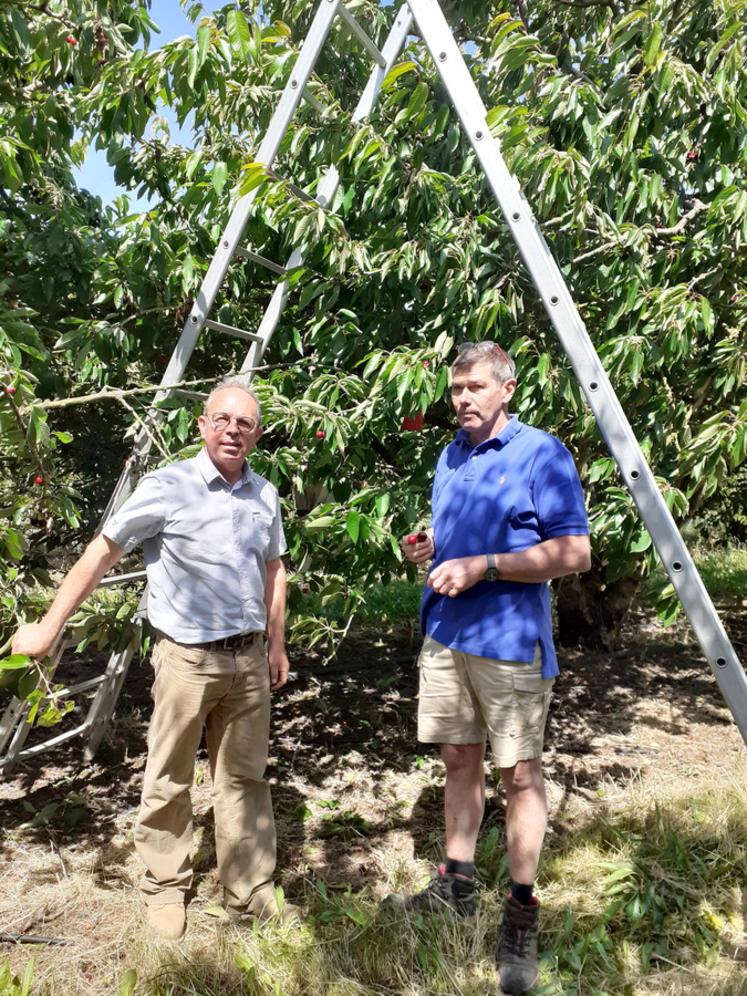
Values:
[(365, 702)]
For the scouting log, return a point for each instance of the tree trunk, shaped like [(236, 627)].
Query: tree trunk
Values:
[(590, 611)]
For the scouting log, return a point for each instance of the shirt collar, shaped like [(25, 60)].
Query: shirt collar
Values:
[(506, 434), (211, 473)]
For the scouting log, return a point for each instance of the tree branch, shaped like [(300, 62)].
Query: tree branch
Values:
[(588, 3), (595, 252), (697, 208), (117, 394)]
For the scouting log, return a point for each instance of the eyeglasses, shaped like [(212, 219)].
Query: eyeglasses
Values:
[(221, 420)]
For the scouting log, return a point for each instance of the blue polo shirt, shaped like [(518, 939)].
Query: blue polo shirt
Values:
[(502, 496)]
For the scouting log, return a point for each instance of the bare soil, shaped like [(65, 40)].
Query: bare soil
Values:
[(349, 781)]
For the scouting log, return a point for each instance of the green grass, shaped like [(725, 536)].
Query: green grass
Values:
[(724, 571), (642, 900), (396, 602), (646, 899)]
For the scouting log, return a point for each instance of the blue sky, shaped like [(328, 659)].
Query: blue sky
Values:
[(95, 174)]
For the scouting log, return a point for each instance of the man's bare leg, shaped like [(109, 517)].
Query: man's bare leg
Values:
[(526, 818), (464, 798)]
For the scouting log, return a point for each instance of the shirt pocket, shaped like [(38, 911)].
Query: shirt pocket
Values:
[(261, 533)]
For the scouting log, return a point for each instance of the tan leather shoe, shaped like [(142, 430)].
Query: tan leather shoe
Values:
[(264, 905), (168, 921)]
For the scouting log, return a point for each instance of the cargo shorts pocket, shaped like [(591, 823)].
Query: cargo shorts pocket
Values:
[(531, 696)]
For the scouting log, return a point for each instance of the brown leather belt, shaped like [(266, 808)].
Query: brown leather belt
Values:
[(235, 642)]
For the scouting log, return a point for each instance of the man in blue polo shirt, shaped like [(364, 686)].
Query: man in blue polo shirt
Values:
[(508, 516)]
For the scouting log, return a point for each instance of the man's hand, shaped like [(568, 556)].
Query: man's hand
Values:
[(455, 576), (421, 550), (278, 660), (36, 640)]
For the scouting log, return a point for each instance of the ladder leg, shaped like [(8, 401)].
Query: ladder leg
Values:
[(331, 180), (229, 241), (13, 727), (589, 371), (105, 700)]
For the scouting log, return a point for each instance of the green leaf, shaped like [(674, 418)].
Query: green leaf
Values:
[(722, 43), (653, 45), (203, 41), (128, 982), (218, 177), (239, 34), (396, 71), (320, 523), (15, 662), (352, 524)]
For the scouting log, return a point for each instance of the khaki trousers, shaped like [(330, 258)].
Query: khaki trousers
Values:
[(228, 693)]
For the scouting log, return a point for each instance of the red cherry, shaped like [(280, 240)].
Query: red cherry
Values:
[(71, 40), (319, 434), (38, 479), (412, 423), (693, 155), (426, 363), (414, 538), (10, 389)]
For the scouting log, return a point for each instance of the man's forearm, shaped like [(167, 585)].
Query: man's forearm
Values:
[(553, 558), (38, 639), (275, 594)]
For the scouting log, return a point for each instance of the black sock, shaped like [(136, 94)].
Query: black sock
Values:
[(522, 893), (464, 868)]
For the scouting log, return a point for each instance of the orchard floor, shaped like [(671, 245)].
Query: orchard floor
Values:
[(358, 801)]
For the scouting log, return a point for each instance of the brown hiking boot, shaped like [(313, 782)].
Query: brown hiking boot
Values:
[(168, 921), (445, 894), (516, 956)]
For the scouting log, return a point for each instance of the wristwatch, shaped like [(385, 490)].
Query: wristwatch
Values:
[(492, 573)]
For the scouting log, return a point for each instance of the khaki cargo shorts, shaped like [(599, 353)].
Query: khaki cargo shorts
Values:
[(464, 698)]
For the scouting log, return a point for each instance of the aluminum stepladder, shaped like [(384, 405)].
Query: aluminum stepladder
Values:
[(13, 727), (546, 277)]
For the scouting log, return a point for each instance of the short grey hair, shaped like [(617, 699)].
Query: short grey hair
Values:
[(469, 353), (238, 384)]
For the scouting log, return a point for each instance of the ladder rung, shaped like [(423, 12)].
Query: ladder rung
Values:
[(361, 35), (38, 748), (82, 686), (230, 330), (121, 579), (312, 101), (262, 260), (294, 188)]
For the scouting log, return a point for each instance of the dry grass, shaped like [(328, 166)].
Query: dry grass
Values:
[(687, 848)]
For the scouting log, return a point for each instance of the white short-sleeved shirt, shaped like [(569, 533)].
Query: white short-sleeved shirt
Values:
[(205, 545)]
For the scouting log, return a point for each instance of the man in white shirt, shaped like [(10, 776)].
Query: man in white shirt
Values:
[(212, 540)]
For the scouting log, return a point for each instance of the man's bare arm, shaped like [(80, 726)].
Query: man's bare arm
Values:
[(37, 639), (275, 591), (553, 558)]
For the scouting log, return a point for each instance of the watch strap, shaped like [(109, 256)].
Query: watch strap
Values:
[(492, 573)]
